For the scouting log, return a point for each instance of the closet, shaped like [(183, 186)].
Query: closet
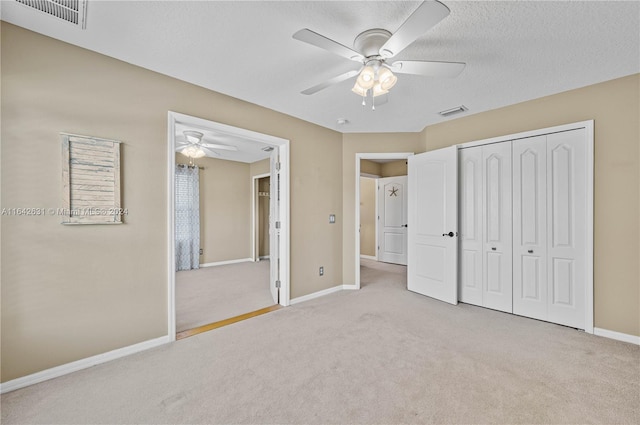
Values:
[(523, 226)]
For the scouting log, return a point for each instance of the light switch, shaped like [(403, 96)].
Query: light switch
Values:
[(332, 218)]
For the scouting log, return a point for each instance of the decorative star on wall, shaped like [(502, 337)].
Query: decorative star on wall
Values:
[(393, 192)]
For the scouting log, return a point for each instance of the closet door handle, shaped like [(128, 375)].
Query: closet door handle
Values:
[(530, 251), (493, 248), (450, 234)]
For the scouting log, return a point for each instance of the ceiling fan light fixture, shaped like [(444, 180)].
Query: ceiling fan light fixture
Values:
[(378, 90), (359, 90), (386, 78), (193, 152), (367, 77)]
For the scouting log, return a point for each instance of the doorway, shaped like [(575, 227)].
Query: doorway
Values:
[(278, 173), (363, 160)]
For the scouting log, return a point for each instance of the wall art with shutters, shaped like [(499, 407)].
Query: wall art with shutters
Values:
[(90, 180)]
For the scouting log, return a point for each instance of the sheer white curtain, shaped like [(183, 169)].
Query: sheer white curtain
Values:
[(187, 218)]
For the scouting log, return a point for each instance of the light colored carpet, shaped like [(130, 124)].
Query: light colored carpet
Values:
[(378, 355), (210, 294)]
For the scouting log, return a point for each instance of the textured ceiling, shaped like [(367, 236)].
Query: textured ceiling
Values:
[(514, 50)]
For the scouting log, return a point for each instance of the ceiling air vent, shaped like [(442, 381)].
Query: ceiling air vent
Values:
[(453, 111), (72, 11)]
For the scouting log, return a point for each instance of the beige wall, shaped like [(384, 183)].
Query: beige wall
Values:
[(394, 168), (364, 143), (614, 106), (225, 209), (70, 292), (370, 167), (367, 216)]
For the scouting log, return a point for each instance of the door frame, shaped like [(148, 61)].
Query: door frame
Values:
[(255, 255), (283, 147), (589, 140), (359, 156)]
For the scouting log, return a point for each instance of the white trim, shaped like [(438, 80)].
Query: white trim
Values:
[(264, 257), (370, 176), (350, 287), (171, 227), (254, 207), (223, 263), (589, 140), (359, 156), (619, 336), (317, 294), (369, 257), (85, 363), (283, 147)]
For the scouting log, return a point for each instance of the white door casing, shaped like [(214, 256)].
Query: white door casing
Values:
[(392, 220), (470, 274), (497, 257), (433, 220), (530, 227)]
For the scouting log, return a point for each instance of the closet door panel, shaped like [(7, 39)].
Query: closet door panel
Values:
[(470, 213), (530, 227), (497, 228), (566, 229)]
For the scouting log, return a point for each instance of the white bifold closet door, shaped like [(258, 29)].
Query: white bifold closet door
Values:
[(486, 226), (550, 227)]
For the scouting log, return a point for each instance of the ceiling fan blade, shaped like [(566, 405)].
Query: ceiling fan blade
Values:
[(209, 151), (425, 17), (325, 43), (330, 82), (217, 146), (429, 68)]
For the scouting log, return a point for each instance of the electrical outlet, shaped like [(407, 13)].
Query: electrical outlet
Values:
[(321, 271), (201, 251), (332, 218)]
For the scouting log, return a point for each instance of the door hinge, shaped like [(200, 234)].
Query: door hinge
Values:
[(278, 284), (277, 166), (378, 247), (277, 224)]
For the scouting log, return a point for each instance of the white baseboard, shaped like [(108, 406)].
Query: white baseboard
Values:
[(322, 293), (316, 295), (65, 369), (222, 263), (369, 257), (617, 336), (264, 257)]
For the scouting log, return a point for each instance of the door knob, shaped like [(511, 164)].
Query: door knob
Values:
[(450, 234), (405, 225)]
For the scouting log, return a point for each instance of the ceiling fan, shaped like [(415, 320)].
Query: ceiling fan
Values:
[(375, 47), (192, 145)]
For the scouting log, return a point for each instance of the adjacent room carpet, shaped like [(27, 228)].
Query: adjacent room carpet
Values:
[(378, 355), (211, 294)]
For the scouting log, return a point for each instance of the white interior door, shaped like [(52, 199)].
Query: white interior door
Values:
[(433, 222), (392, 220), (274, 226), (530, 227), (471, 219), (497, 277)]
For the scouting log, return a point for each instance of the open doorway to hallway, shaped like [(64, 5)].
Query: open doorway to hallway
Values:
[(381, 210)]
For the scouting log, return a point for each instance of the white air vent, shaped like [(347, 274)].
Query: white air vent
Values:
[(452, 111), (72, 11)]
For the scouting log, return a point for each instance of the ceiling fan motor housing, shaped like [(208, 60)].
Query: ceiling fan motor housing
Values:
[(369, 42)]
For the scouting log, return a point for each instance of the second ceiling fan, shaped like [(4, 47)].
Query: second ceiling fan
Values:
[(375, 47)]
